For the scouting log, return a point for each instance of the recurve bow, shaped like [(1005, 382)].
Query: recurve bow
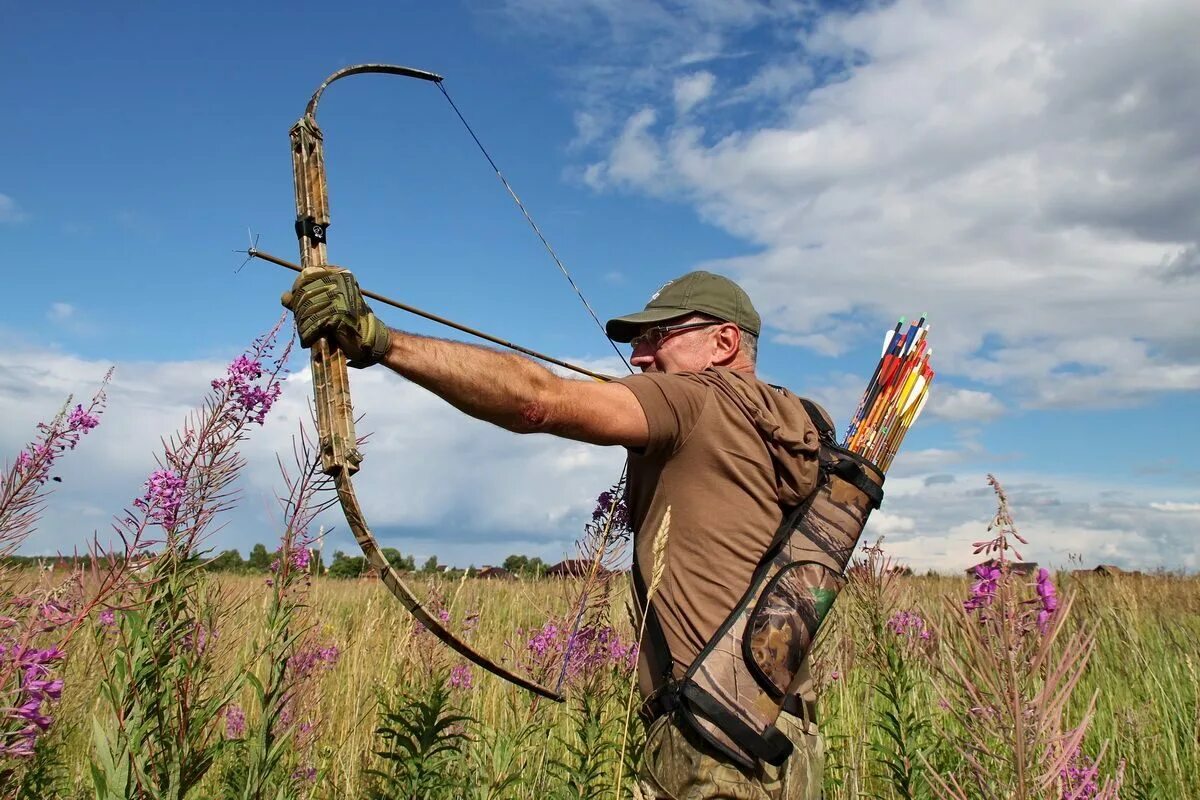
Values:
[(331, 385)]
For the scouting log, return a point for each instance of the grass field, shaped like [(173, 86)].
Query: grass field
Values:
[(1143, 672)]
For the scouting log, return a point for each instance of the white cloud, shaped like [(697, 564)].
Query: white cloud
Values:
[(1068, 521), (588, 128), (690, 90), (1025, 174), (635, 157), (965, 405), (1177, 508), (9, 210), (882, 523), (60, 312), (1182, 264)]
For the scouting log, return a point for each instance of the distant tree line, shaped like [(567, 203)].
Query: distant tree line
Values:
[(525, 566), (341, 566)]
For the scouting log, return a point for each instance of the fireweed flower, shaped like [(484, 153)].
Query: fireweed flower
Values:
[(908, 624), (199, 637), (460, 677), (1048, 596), (983, 591), (1079, 777), (81, 421), (164, 495), (614, 502), (586, 651), (545, 641), (32, 465), (247, 397), (305, 774), (301, 557), (36, 691), (235, 722), (308, 661)]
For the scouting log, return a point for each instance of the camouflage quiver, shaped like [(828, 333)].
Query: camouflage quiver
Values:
[(733, 692)]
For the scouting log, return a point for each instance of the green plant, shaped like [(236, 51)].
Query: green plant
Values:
[(901, 730), (419, 737), (155, 732)]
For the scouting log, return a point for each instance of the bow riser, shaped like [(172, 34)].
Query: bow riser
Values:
[(331, 380)]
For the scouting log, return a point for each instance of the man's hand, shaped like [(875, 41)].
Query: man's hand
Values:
[(328, 303)]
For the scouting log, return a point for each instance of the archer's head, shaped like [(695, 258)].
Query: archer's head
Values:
[(694, 322)]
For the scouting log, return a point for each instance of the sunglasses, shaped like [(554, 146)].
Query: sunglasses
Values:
[(660, 333)]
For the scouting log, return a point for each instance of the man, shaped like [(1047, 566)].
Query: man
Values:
[(727, 475)]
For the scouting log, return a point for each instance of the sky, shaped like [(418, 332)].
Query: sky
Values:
[(1026, 173)]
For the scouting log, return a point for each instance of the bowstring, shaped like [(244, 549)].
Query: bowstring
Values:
[(529, 218), (579, 293)]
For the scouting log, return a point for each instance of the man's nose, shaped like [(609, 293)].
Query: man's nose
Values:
[(643, 357)]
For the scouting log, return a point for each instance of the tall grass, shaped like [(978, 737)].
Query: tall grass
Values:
[(1142, 666)]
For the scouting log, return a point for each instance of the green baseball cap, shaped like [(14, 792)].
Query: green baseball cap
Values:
[(699, 291)]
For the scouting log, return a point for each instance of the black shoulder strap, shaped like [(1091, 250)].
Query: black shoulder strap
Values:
[(824, 429), (770, 746), (848, 465), (654, 631)]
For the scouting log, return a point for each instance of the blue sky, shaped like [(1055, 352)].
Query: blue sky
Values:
[(1028, 178)]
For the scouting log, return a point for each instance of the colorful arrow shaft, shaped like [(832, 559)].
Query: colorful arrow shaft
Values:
[(895, 394)]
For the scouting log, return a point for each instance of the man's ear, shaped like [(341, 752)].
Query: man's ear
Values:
[(727, 343)]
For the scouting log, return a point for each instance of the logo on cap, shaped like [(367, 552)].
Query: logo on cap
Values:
[(654, 296)]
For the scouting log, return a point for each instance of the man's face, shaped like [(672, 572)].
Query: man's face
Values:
[(680, 346)]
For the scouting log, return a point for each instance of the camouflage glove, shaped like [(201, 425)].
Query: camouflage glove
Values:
[(327, 302)]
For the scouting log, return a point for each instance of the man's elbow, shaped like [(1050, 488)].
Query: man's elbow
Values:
[(533, 417)]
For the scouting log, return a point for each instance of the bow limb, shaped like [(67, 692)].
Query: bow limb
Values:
[(340, 457)]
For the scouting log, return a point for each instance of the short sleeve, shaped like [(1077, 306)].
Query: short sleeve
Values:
[(672, 404)]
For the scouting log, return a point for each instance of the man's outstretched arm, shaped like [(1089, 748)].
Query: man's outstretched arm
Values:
[(501, 388), (515, 393)]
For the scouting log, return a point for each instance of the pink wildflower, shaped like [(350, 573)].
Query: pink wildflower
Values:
[(164, 494), (983, 591), (81, 421), (300, 558), (1049, 599), (247, 397), (460, 677), (235, 722)]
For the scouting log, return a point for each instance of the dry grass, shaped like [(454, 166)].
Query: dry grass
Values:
[(1144, 672)]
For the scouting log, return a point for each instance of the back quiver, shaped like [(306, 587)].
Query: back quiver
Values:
[(733, 692)]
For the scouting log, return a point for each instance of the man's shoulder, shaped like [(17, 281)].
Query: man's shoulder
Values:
[(771, 398)]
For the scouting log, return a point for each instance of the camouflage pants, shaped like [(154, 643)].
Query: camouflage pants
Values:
[(677, 765)]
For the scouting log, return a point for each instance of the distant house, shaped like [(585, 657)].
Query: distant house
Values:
[(1112, 571), (1014, 567), (574, 568), (495, 573)]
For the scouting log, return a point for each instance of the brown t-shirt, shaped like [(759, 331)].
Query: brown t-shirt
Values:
[(727, 453)]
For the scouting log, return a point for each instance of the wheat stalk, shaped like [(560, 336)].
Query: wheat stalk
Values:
[(659, 567)]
